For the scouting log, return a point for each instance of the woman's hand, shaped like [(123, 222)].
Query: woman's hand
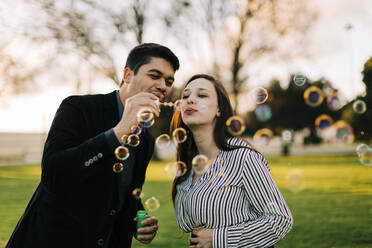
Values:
[(203, 239)]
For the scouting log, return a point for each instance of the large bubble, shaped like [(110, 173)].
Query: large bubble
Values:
[(299, 80), (152, 204), (235, 125), (335, 101), (200, 164), (163, 142), (259, 95), (359, 107), (263, 113), (180, 135), (364, 154), (175, 169), (121, 153), (323, 121), (262, 136), (343, 131), (295, 180), (313, 96), (145, 118), (133, 140)]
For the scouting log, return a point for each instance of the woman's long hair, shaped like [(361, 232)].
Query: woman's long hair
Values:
[(187, 151)]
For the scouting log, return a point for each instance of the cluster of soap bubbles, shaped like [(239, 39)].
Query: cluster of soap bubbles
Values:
[(145, 119), (313, 96)]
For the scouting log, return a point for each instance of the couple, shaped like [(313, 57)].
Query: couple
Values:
[(81, 202)]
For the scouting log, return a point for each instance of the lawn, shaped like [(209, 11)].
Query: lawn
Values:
[(330, 199)]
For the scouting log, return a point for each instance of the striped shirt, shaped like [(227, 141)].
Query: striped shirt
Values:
[(237, 198)]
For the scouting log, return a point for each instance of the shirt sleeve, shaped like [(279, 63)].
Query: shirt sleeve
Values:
[(275, 219)]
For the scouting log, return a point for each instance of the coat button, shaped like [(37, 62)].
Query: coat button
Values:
[(112, 212), (91, 161), (95, 158), (99, 155), (100, 242), (86, 163)]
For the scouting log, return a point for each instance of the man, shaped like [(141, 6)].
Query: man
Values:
[(81, 201)]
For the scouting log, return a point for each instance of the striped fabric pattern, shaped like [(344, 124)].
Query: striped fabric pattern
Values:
[(238, 198)]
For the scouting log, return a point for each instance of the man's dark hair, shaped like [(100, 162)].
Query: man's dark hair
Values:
[(142, 54)]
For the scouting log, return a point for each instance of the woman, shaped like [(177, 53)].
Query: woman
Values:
[(236, 202)]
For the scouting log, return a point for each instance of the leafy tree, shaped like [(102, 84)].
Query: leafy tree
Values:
[(362, 122)]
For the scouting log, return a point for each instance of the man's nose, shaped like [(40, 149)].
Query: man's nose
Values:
[(161, 85)]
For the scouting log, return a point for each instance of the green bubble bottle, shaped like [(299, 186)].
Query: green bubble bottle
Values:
[(141, 215)]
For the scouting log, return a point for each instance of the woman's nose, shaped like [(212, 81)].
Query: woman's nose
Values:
[(190, 100)]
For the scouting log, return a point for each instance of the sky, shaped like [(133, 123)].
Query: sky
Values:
[(338, 55)]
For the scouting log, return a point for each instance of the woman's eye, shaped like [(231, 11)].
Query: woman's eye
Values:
[(184, 97), (202, 96)]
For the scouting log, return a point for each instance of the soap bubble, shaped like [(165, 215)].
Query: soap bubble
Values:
[(335, 102), (259, 95), (121, 153), (235, 125), (344, 132), (200, 164), (180, 135), (313, 96), (287, 135), (152, 204), (118, 167), (299, 80), (323, 121), (133, 140), (295, 180), (163, 141), (136, 129), (263, 113), (262, 136), (359, 106), (145, 118), (175, 169), (137, 193)]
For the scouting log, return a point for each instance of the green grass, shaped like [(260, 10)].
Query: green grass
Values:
[(334, 208)]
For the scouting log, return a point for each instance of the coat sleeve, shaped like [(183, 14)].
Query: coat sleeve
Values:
[(275, 219), (66, 153)]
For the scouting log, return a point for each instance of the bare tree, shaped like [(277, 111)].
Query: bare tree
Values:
[(16, 76), (242, 31), (261, 25), (91, 31)]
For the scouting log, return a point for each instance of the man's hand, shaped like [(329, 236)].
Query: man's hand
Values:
[(132, 106), (203, 239), (148, 232)]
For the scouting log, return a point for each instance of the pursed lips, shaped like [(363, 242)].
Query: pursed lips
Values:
[(190, 111)]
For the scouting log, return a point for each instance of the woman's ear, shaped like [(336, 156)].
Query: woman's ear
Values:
[(218, 113)]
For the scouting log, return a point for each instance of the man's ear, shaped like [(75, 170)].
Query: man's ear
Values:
[(127, 75)]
